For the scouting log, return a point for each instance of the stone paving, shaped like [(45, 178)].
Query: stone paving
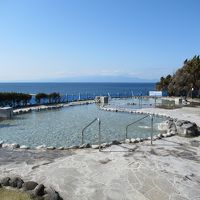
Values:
[(168, 170)]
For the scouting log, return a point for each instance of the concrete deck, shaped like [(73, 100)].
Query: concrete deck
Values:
[(168, 170)]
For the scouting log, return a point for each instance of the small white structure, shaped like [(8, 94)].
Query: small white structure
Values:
[(178, 101), (155, 93), (101, 99), (6, 112)]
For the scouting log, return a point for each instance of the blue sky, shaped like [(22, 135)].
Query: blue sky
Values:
[(97, 40)]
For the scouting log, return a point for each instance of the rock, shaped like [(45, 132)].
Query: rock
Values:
[(116, 142), (5, 145), (155, 137), (168, 134), (164, 135), (187, 129), (165, 126), (15, 145), (132, 140), (127, 141), (87, 145), (39, 190), (173, 132), (104, 161), (0, 185), (95, 146), (41, 147), (5, 181), (20, 183), (173, 128), (51, 194), (61, 148), (16, 182), (30, 185), (24, 147), (137, 140), (1, 143), (103, 145), (51, 148), (47, 197), (73, 147)]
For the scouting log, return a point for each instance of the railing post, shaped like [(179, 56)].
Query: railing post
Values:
[(151, 129), (99, 122), (82, 137)]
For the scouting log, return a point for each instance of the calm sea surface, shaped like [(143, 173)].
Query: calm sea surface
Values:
[(114, 89)]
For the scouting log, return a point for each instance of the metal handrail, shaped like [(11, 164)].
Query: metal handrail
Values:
[(138, 121), (82, 132)]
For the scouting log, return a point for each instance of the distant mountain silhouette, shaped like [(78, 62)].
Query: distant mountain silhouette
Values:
[(104, 79)]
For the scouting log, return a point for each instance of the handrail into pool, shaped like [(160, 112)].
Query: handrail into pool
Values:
[(82, 132), (138, 121)]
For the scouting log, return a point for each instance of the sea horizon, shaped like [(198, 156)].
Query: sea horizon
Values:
[(75, 88)]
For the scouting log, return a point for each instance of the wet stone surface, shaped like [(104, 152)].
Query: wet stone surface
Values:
[(30, 156)]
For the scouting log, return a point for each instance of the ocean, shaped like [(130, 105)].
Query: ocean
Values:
[(89, 89)]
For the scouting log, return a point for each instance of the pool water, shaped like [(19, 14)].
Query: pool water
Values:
[(63, 127), (134, 103)]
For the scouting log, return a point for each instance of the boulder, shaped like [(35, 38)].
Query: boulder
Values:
[(61, 148), (167, 125), (24, 147), (132, 140), (168, 134), (51, 194), (137, 140), (51, 148), (95, 146), (15, 145), (127, 141), (116, 142), (103, 145), (30, 185), (39, 190), (187, 129), (41, 147), (20, 183), (6, 145), (155, 137), (87, 145), (16, 182), (141, 139), (73, 147), (164, 135), (5, 181), (173, 132), (1, 143), (159, 135)]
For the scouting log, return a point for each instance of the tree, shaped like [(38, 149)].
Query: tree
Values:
[(54, 97), (41, 96), (186, 80)]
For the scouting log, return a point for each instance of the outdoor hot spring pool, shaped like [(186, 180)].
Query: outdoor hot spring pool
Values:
[(63, 127)]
